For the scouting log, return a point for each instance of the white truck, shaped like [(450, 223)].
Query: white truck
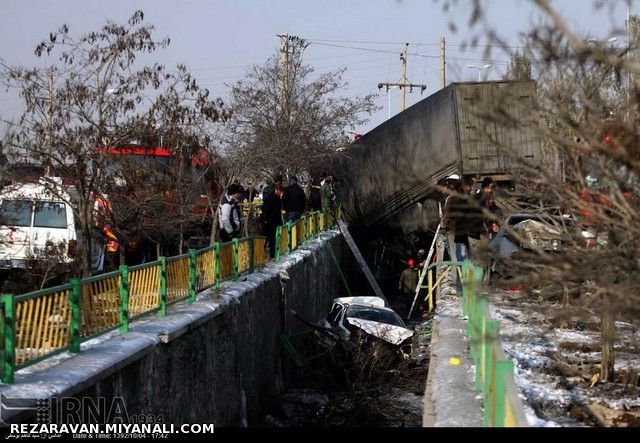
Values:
[(31, 215)]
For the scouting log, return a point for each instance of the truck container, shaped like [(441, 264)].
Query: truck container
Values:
[(476, 128)]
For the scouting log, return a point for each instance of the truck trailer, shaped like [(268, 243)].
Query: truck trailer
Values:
[(482, 129)]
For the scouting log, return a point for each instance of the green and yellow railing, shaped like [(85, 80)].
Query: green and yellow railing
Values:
[(494, 371), (293, 235), (43, 323)]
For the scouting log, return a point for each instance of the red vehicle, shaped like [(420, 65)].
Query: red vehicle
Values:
[(159, 162), (594, 191)]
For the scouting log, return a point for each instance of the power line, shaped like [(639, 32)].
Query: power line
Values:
[(385, 51), (388, 51), (460, 44)]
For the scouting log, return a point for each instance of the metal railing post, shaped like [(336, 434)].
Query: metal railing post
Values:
[(492, 333), (163, 287), (192, 275), (289, 237), (304, 229), (430, 285), (216, 252), (8, 309), (74, 304), (236, 247), (503, 369), (252, 254), (276, 256), (124, 299)]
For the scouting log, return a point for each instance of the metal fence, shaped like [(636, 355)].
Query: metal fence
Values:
[(292, 235), (42, 323), (494, 372)]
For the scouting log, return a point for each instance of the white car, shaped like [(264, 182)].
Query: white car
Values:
[(30, 216), (350, 315)]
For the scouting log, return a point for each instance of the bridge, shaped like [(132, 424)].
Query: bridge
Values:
[(199, 338)]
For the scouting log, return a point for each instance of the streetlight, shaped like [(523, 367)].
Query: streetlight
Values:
[(479, 69), (380, 85)]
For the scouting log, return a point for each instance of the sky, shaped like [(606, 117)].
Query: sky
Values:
[(219, 39)]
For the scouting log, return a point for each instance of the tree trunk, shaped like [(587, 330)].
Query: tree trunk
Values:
[(245, 228), (214, 225), (122, 254), (608, 339), (87, 241)]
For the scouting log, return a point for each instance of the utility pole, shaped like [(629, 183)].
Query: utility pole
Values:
[(403, 80), (284, 67), (49, 117), (443, 80), (403, 84)]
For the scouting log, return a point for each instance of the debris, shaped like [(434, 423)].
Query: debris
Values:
[(612, 417)]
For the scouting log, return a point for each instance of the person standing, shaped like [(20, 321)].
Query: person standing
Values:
[(293, 200), (314, 202), (272, 212), (408, 283), (456, 222), (486, 201), (229, 214), (326, 192)]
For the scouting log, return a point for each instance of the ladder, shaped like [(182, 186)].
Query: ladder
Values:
[(424, 271), (360, 259)]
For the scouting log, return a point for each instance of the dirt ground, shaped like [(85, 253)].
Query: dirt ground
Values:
[(556, 350)]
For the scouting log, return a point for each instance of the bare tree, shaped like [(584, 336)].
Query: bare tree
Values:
[(519, 67), (95, 97), (289, 119), (589, 126)]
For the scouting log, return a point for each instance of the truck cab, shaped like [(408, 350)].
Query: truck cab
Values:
[(31, 216)]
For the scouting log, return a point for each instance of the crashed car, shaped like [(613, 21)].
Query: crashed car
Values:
[(535, 232), (356, 320), (533, 229)]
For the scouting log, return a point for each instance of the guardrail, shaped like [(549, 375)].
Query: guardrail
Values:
[(40, 324), (494, 371)]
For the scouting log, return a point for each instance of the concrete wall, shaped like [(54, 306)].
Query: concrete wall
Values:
[(217, 361)]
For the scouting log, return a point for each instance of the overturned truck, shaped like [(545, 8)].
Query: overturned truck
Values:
[(477, 128)]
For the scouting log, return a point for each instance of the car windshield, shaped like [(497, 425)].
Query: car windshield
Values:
[(374, 314), (50, 215), (15, 213)]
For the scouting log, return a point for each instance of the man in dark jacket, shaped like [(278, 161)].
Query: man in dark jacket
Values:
[(272, 212), (458, 221), (293, 201), (315, 201), (408, 284)]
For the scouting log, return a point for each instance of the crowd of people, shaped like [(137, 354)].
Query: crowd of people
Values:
[(280, 205), (468, 221)]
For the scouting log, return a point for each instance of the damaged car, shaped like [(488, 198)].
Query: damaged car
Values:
[(364, 320)]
